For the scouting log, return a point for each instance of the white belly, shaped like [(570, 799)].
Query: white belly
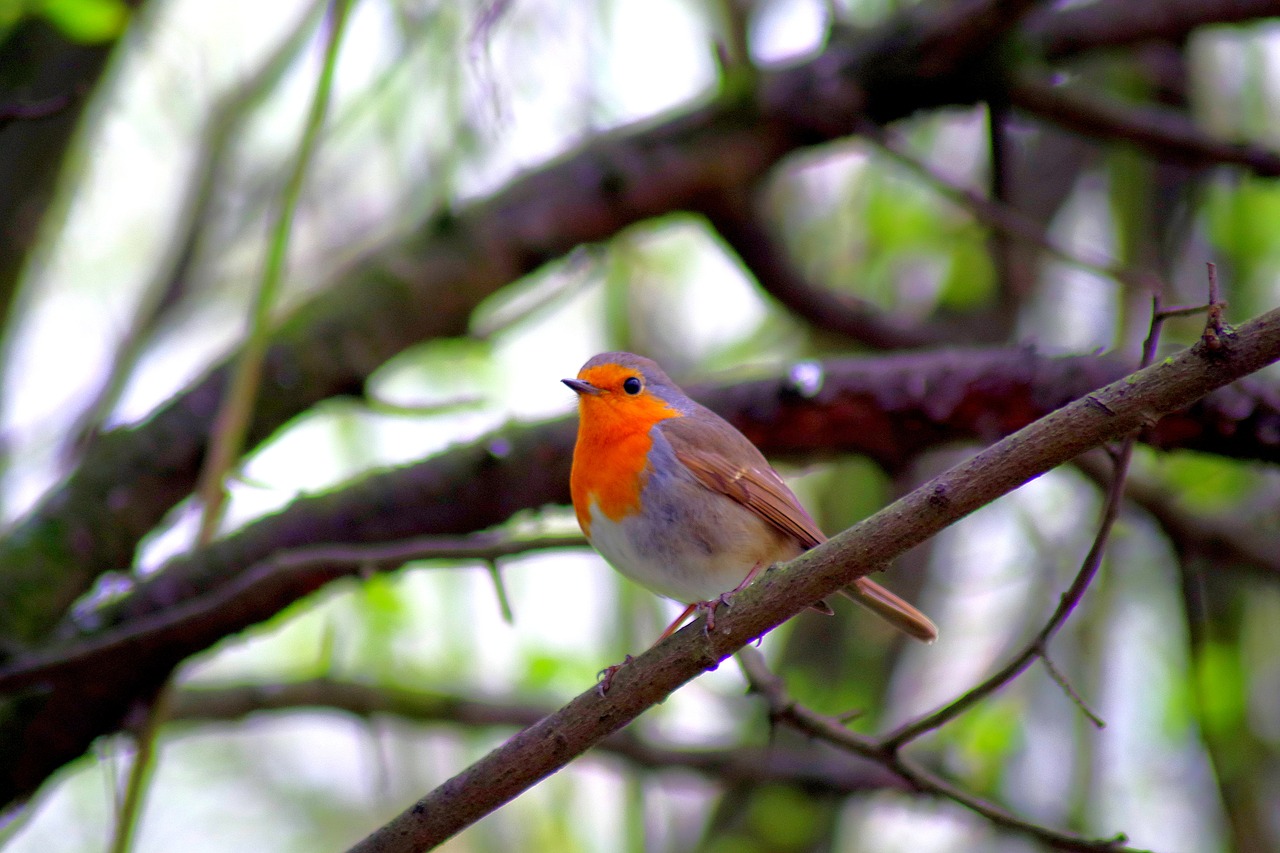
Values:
[(687, 564)]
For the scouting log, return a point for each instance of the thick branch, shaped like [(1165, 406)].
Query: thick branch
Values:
[(784, 591)]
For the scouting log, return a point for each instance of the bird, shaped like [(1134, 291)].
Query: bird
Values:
[(675, 498)]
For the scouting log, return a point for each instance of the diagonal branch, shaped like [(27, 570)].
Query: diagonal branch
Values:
[(889, 408), (785, 590), (301, 568), (1038, 647)]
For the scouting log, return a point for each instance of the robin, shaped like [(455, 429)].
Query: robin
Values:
[(678, 500)]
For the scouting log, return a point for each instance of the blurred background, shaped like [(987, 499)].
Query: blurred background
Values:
[(171, 193)]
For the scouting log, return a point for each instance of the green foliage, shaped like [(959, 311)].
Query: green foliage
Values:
[(1244, 223), (844, 492), (381, 617), (889, 240), (1222, 685), (778, 819), (971, 277), (84, 21), (1204, 482), (985, 738), (784, 818)]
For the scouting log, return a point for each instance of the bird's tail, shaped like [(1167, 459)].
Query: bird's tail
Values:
[(892, 609)]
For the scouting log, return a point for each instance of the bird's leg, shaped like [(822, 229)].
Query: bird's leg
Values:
[(604, 678), (722, 599), (679, 620)]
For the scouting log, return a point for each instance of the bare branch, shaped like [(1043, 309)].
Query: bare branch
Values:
[(783, 708), (1162, 133), (817, 772), (741, 228), (1062, 33), (1038, 647)]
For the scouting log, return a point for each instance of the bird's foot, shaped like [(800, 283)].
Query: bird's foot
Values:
[(724, 599), (604, 678)]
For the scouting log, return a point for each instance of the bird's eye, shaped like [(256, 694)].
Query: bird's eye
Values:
[(631, 385)]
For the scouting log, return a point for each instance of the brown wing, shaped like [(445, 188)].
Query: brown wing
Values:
[(707, 445)]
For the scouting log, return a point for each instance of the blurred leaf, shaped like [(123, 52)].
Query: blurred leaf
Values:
[(86, 21), (897, 217), (732, 842), (545, 670), (846, 682), (784, 818), (1222, 688), (1244, 222), (986, 737), (844, 492), (970, 278), (440, 372), (1204, 482), (1129, 178)]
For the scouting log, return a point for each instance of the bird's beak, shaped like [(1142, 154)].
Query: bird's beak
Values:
[(580, 387)]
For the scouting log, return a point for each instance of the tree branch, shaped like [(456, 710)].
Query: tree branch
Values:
[(890, 409), (782, 708), (741, 228), (1223, 540), (1038, 647), (785, 590), (1164, 134), (1063, 33), (813, 772), (302, 568)]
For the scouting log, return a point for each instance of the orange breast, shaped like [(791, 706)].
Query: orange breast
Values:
[(610, 460)]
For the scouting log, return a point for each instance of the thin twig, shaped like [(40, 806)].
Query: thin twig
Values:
[(235, 413), (1067, 688), (232, 422), (1005, 219), (140, 772), (783, 708), (1039, 645)]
